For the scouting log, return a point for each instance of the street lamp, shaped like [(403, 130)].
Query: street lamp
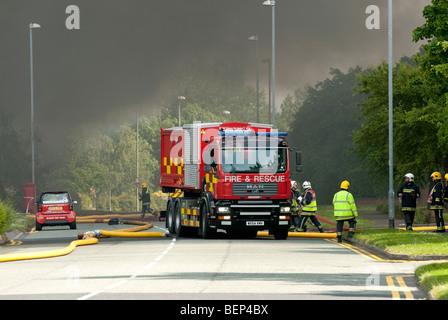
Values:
[(272, 4), (32, 26), (255, 38), (268, 61), (391, 148), (180, 98)]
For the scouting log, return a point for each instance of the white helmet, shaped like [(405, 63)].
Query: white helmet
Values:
[(410, 176), (306, 185)]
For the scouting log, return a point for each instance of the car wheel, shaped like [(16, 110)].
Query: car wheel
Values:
[(73, 225), (38, 226)]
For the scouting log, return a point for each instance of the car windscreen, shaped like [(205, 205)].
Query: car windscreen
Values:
[(47, 198)]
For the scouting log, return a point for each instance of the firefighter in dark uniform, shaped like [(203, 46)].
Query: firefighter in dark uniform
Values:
[(146, 199), (409, 193), (445, 191), (309, 208), (435, 200), (295, 207)]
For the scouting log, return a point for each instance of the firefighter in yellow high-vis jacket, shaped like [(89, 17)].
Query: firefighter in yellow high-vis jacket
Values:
[(309, 208), (344, 210)]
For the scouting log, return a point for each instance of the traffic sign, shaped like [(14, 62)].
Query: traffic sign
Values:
[(137, 181)]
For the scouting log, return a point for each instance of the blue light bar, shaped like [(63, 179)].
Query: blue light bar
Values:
[(235, 132), (268, 134), (245, 133)]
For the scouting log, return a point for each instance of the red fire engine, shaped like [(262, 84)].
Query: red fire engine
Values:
[(230, 176)]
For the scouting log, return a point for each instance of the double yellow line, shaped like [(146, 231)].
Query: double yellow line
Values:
[(361, 252), (402, 287), (395, 290)]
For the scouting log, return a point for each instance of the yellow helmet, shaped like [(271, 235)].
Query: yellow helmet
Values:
[(436, 175), (446, 177), (345, 185), (144, 185)]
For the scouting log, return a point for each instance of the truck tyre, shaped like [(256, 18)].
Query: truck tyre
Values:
[(170, 217), (179, 229), (207, 232), (73, 225), (38, 226), (281, 234)]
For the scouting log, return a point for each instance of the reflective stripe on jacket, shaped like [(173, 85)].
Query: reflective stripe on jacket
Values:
[(410, 192), (344, 205), (309, 203), (436, 197)]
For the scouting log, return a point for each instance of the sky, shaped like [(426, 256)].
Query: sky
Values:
[(122, 54)]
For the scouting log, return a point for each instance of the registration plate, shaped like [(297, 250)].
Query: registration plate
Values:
[(254, 223), (55, 208)]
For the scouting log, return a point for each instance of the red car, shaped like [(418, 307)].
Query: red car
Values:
[(55, 209)]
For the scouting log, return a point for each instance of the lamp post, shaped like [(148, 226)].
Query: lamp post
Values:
[(33, 175), (180, 98), (391, 149), (255, 38), (136, 158), (271, 3), (268, 61)]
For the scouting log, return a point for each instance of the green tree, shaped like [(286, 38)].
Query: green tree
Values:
[(103, 167), (289, 108), (323, 130), (434, 66), (15, 163), (415, 136)]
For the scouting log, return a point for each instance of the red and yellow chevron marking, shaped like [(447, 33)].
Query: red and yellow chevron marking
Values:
[(211, 179), (173, 165), (178, 194)]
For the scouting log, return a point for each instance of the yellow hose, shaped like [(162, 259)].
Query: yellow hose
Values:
[(128, 232), (49, 253), (301, 234), (420, 228)]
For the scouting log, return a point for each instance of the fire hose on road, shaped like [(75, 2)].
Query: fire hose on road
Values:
[(87, 238)]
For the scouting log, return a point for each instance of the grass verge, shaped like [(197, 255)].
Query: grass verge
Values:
[(412, 243), (434, 276)]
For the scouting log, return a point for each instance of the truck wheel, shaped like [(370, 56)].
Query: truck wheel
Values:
[(73, 225), (179, 229), (38, 226), (170, 217), (207, 232), (281, 234)]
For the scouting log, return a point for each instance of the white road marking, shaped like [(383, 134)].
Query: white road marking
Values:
[(133, 276)]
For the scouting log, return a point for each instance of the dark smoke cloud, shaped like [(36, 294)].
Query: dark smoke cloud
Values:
[(123, 53)]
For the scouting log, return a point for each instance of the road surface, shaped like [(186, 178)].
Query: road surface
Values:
[(196, 269)]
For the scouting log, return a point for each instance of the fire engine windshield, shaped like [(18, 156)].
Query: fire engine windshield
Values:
[(254, 160)]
